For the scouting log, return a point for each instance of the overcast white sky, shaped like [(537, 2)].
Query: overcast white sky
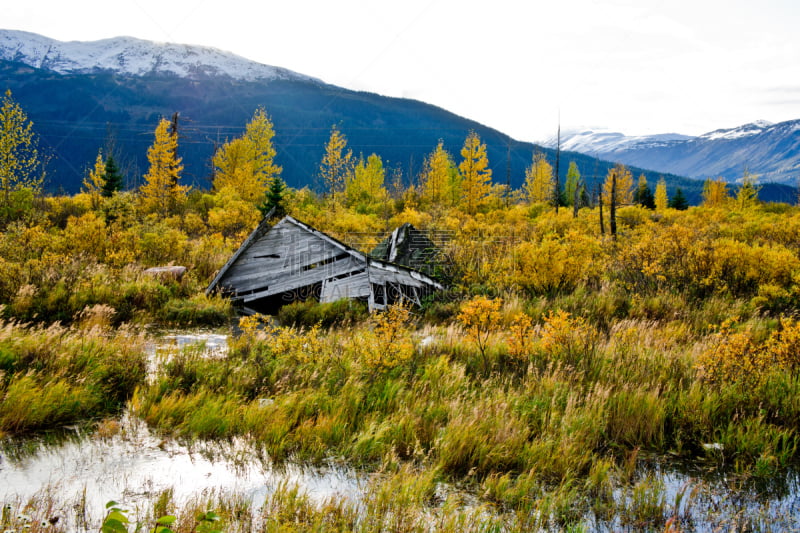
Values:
[(635, 66)]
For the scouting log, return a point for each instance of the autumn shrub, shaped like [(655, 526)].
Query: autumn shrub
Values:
[(233, 217), (520, 338), (568, 339), (776, 299), (208, 254), (61, 208), (388, 342), (480, 317), (86, 234), (551, 265), (161, 244)]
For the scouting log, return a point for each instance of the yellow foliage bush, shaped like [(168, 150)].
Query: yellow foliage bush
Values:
[(86, 234), (388, 344), (734, 356), (562, 332), (553, 265), (520, 337), (234, 218), (480, 317)]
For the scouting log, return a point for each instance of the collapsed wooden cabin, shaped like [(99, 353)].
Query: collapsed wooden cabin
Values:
[(292, 261)]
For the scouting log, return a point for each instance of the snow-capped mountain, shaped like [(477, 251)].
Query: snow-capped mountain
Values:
[(130, 56), (754, 128), (772, 151), (592, 141)]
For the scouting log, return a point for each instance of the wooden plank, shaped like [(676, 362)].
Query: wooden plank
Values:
[(383, 277), (356, 286), (247, 279), (292, 283)]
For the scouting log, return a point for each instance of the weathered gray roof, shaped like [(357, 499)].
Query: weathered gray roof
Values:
[(264, 227)]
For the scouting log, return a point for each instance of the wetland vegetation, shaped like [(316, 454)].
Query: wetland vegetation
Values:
[(570, 377)]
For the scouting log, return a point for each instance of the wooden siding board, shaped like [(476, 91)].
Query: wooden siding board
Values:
[(290, 283), (355, 286), (259, 276)]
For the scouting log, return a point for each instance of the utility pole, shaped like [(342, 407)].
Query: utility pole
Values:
[(557, 195), (613, 204), (508, 172)]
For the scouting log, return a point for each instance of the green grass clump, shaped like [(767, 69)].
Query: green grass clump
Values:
[(56, 376), (198, 310), (326, 315)]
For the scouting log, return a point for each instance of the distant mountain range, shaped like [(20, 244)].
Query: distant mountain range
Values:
[(82, 96), (771, 151)]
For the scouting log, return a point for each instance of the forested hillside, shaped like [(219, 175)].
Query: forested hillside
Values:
[(76, 114)]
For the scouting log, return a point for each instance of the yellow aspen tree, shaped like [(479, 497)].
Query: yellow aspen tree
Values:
[(161, 192), (661, 198), (260, 132), (337, 164), (624, 186), (93, 182), (572, 187), (234, 171), (21, 169), (539, 181), (715, 192), (476, 183), (364, 189), (246, 165), (747, 195), (436, 179)]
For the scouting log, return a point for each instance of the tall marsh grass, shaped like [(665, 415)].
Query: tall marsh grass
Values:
[(53, 376), (557, 430)]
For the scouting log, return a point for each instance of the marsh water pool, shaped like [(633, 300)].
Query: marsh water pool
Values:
[(78, 472)]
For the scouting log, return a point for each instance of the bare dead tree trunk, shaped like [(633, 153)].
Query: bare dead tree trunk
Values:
[(612, 209), (600, 205), (575, 196)]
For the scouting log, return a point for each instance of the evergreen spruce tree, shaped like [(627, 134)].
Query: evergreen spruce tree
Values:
[(643, 195), (112, 179), (678, 201), (275, 198)]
